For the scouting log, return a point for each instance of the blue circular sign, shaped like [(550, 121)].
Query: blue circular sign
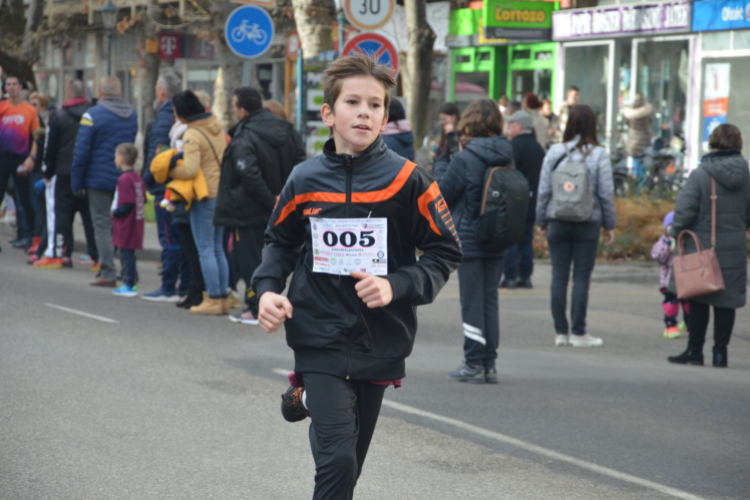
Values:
[(249, 31)]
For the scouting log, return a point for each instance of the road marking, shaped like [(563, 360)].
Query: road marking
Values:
[(532, 448), (81, 313)]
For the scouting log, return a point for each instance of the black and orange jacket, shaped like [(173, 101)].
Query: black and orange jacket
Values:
[(332, 331)]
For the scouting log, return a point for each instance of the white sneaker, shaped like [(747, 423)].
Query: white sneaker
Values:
[(585, 340), (561, 340)]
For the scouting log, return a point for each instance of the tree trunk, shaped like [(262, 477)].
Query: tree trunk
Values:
[(153, 61), (417, 74), (313, 19)]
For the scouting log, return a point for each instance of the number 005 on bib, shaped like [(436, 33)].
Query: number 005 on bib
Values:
[(341, 246)]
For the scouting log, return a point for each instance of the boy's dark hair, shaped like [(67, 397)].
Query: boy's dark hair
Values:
[(573, 87), (581, 121), (351, 66), (481, 119), (186, 104), (128, 152), (725, 136), (450, 108), (248, 99), (396, 111)]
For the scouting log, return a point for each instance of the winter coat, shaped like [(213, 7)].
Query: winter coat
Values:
[(257, 163), (61, 137), (462, 184), (540, 127), (528, 157), (693, 212), (181, 190), (399, 138), (203, 148), (104, 127), (158, 135), (662, 253), (600, 175), (639, 119)]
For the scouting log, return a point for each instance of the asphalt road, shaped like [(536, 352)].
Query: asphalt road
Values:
[(149, 402)]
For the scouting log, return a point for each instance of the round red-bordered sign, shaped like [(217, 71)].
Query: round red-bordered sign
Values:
[(369, 15), (376, 46)]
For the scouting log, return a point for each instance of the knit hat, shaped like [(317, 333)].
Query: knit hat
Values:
[(668, 219)]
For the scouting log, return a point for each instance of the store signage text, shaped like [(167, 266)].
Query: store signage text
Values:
[(721, 15), (621, 21), (519, 16)]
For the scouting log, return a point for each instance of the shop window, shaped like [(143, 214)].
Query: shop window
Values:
[(717, 41), (462, 59), (662, 77), (742, 39), (586, 67), (725, 98), (521, 55), (484, 56), (471, 87)]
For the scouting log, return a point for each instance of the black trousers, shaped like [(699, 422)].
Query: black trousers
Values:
[(344, 414), (477, 284), (129, 269), (8, 166), (190, 251), (66, 206), (247, 253), (723, 326)]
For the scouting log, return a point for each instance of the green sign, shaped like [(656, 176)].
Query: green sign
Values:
[(518, 20)]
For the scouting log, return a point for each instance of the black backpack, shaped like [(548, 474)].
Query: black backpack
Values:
[(505, 204)]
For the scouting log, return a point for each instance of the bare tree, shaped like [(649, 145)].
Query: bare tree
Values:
[(418, 71), (18, 41), (314, 20)]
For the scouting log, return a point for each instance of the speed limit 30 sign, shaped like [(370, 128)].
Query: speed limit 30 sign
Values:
[(369, 15)]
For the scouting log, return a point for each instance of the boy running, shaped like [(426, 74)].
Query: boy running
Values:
[(357, 213)]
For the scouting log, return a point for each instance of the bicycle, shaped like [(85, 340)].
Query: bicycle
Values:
[(250, 32)]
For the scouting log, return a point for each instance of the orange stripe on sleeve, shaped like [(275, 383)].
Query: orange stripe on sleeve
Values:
[(307, 197), (432, 193), (390, 191)]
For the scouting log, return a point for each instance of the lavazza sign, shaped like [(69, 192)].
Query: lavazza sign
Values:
[(668, 17)]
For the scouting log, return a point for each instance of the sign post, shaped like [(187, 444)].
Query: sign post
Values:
[(249, 31)]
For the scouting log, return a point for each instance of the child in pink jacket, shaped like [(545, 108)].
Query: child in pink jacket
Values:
[(663, 253)]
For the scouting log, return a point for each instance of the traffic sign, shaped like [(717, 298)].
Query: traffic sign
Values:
[(249, 31), (376, 46), (369, 15)]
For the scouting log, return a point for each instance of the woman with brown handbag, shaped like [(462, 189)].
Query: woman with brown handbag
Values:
[(728, 170)]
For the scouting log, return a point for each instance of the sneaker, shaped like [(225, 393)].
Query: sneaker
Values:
[(66, 262), (292, 408), (161, 296), (84, 259), (585, 340), (683, 327), (490, 375), (126, 291), (562, 340), (22, 244), (672, 332), (35, 242), (33, 260), (509, 284), (246, 318), (49, 263), (96, 267), (468, 373), (524, 283)]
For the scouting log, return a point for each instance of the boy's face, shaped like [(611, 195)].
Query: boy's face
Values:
[(118, 161), (359, 116)]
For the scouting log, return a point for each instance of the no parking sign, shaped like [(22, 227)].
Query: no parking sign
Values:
[(376, 46)]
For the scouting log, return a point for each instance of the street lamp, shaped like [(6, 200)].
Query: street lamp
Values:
[(109, 18)]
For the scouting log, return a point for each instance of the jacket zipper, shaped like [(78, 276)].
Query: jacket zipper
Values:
[(350, 340)]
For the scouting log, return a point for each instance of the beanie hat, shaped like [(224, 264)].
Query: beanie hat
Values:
[(668, 219)]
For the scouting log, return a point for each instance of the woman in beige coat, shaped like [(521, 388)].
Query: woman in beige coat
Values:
[(639, 116), (204, 143)]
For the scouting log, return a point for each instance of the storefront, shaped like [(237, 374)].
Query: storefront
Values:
[(613, 52), (722, 70), (501, 49)]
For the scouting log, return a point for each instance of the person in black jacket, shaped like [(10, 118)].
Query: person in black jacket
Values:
[(256, 165), (58, 158), (528, 157), (354, 317), (462, 183), (397, 134)]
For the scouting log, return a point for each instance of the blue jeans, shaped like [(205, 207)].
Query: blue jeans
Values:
[(208, 239), (171, 253), (523, 252), (129, 268)]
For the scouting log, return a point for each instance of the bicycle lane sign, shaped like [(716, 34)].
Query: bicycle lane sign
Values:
[(376, 46), (249, 31)]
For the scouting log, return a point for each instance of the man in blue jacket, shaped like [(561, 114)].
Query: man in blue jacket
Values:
[(158, 138), (110, 123)]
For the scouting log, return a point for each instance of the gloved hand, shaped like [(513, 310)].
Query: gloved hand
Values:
[(39, 187), (81, 193)]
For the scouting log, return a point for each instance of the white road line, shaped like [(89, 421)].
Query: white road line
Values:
[(282, 372), (81, 313), (532, 448)]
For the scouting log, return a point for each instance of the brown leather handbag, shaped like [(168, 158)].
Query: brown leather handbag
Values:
[(698, 273)]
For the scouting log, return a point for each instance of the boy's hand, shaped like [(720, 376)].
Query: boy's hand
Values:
[(373, 290), (273, 310)]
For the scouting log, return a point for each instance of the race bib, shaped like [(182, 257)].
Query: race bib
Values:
[(341, 246)]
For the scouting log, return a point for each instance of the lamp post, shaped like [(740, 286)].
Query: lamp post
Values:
[(109, 18)]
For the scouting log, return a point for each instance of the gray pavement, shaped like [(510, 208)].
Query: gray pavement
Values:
[(158, 404)]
